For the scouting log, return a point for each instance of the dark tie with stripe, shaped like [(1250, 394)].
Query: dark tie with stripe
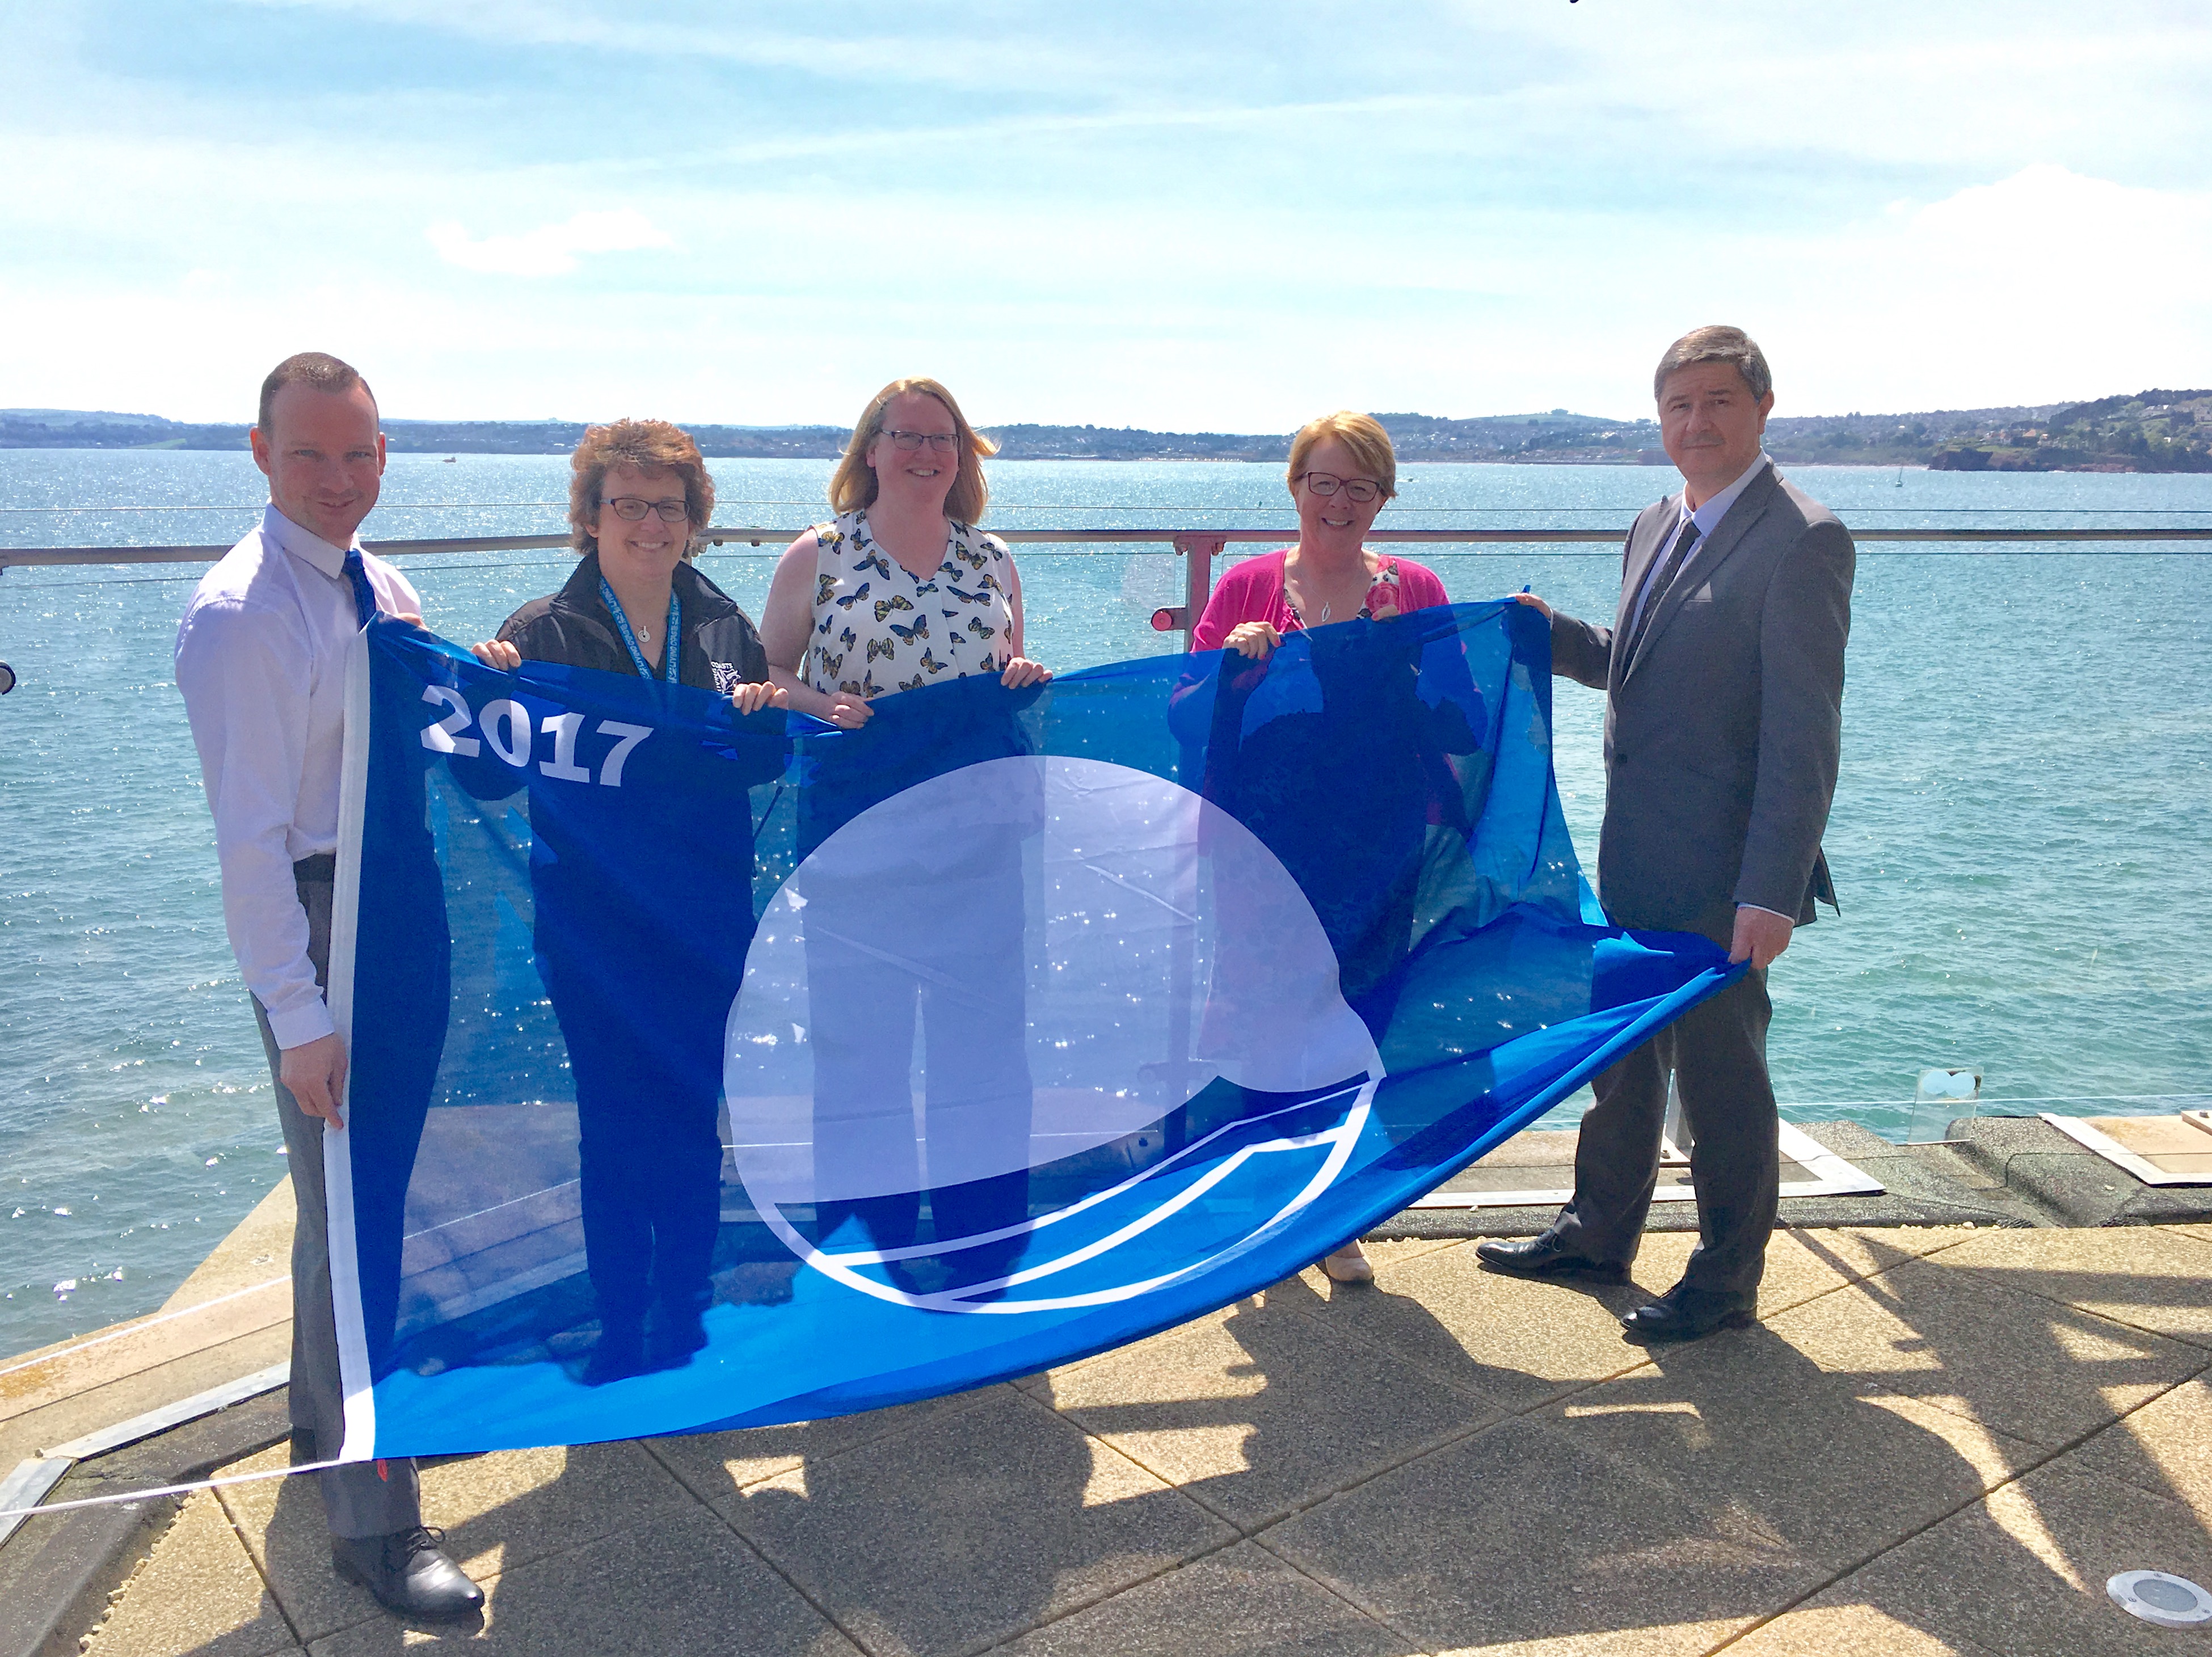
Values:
[(364, 595), (1677, 556)]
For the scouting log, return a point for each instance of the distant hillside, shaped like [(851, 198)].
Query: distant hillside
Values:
[(2149, 431), (2153, 431)]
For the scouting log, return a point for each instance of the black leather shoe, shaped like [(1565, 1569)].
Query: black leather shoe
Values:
[(1539, 1257), (618, 1354), (1675, 1316), (409, 1573), (678, 1331)]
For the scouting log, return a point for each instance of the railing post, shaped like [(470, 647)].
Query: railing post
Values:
[(1199, 552)]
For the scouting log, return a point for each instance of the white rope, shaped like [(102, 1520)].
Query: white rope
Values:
[(169, 1490)]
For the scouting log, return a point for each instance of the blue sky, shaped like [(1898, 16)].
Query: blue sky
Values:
[(1188, 216)]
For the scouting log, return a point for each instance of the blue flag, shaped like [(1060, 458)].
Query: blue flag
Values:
[(714, 1072)]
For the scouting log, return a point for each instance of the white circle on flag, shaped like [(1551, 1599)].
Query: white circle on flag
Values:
[(1019, 965)]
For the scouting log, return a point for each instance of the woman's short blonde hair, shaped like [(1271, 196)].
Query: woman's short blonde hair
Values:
[(1361, 433), (655, 448), (854, 485)]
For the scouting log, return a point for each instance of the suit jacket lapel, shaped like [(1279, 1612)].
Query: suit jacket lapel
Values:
[(1710, 554), (1636, 567)]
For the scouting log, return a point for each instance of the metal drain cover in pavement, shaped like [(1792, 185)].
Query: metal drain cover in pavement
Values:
[(2168, 1601)]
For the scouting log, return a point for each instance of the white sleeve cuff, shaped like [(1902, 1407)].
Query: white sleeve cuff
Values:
[(297, 1026), (1764, 910)]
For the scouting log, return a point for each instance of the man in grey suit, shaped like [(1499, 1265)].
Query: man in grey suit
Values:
[(1723, 675)]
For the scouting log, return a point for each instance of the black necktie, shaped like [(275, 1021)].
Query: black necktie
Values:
[(364, 595), (1669, 567)]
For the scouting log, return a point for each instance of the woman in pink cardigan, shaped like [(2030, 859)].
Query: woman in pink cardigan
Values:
[(1342, 469)]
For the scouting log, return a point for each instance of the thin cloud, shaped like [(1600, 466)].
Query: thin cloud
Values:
[(551, 250)]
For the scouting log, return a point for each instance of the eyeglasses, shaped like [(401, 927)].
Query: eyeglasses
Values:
[(632, 508), (907, 442), (1357, 490)]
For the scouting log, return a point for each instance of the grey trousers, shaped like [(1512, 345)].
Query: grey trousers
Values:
[(1716, 1054), (367, 1498)]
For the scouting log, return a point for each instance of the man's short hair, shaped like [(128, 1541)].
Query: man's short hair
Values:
[(317, 368), (1718, 344)]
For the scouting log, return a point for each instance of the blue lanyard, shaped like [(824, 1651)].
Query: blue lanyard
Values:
[(670, 648)]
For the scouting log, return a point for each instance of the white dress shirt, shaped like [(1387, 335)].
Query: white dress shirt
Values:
[(1707, 519), (261, 660)]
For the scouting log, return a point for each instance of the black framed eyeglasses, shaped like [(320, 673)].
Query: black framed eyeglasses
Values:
[(1357, 490), (907, 442), (632, 508)]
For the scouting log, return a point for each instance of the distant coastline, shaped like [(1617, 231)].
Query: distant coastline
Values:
[(2149, 431)]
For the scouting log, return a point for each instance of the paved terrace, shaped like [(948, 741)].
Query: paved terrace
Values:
[(1935, 1440)]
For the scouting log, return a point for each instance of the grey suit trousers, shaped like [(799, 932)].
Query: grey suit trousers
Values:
[(1716, 1054), (364, 1498)]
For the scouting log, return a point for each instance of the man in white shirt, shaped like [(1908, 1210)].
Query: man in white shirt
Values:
[(1723, 675), (261, 660)]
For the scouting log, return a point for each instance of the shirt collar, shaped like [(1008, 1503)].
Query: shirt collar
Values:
[(1708, 516), (303, 544)]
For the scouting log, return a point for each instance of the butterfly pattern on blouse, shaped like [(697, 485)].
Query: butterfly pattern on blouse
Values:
[(876, 607)]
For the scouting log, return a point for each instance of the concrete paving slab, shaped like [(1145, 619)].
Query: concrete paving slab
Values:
[(2023, 1572), (58, 1571), (1664, 1502), (1384, 1254), (1257, 1410), (2139, 1274), (680, 1584), (1834, 1628), (1802, 1264), (1507, 1343), (1523, 1533), (2165, 1447), (199, 1592), (1242, 1602), (715, 1465), (2202, 1233), (970, 1528), (281, 1521), (497, 1511), (2016, 1363), (1760, 1436)]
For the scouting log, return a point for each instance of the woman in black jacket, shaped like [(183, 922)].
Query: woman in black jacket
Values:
[(644, 1019)]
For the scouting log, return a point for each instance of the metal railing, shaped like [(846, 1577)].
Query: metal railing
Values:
[(1197, 548)]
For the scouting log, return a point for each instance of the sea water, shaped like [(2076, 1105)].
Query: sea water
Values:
[(2018, 837)]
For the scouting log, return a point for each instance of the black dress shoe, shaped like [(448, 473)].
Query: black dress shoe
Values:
[(618, 1354), (1539, 1257), (1675, 1316), (409, 1573), (678, 1331)]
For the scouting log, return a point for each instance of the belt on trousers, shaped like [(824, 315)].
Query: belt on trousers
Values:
[(322, 869)]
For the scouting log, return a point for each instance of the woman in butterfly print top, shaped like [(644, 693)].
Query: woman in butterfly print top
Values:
[(900, 589)]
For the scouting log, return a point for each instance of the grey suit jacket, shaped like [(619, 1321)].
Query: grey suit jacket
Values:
[(1722, 738)]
